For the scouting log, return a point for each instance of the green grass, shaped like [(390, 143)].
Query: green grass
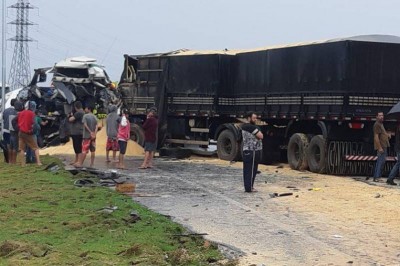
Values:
[(46, 220)]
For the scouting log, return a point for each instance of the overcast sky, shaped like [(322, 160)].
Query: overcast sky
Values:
[(108, 29)]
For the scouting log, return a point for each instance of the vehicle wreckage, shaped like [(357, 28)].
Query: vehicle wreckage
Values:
[(73, 79)]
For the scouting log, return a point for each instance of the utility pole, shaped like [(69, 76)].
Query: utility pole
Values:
[(20, 66), (3, 63)]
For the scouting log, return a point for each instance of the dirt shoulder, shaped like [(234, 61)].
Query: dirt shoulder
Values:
[(352, 215)]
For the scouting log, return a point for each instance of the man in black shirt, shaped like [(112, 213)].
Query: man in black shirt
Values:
[(252, 148)]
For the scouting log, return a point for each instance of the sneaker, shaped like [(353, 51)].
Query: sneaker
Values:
[(391, 182)]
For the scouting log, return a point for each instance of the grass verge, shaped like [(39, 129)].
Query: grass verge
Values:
[(46, 220)]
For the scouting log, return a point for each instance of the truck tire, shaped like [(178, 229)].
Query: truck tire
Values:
[(316, 154), (297, 151), (228, 148), (137, 134)]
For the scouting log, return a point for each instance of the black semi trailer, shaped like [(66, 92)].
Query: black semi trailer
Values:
[(316, 102)]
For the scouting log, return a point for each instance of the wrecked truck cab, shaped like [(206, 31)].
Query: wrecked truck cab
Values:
[(55, 89)]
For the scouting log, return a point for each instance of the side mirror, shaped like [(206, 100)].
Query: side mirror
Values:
[(42, 77)]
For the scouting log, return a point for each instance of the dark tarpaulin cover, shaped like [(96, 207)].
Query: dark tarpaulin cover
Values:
[(343, 67), (200, 74)]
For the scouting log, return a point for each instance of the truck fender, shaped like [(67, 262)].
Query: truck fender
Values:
[(233, 127), (321, 125)]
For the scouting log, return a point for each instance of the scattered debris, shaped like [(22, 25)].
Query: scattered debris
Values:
[(377, 195), (254, 253), (337, 236), (290, 187), (279, 166), (53, 167), (84, 183), (314, 189), (133, 217), (126, 187), (108, 209), (274, 195)]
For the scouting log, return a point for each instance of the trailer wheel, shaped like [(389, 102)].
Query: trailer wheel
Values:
[(228, 148), (297, 151), (137, 134), (316, 154)]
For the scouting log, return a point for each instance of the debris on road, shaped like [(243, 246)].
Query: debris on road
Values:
[(125, 187), (274, 195)]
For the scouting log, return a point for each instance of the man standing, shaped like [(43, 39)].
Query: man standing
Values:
[(252, 148), (395, 170), (77, 129), (112, 123), (89, 137), (150, 127), (8, 115), (381, 143), (14, 132), (26, 120)]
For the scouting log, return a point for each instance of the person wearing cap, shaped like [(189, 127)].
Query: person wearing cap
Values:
[(26, 121), (150, 127)]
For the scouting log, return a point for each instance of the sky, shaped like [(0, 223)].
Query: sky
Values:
[(106, 30)]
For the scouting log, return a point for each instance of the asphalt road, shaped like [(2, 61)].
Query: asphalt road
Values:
[(257, 229)]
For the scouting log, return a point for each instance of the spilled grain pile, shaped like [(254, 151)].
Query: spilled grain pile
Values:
[(133, 148)]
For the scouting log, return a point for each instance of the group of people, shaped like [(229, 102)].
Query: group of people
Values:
[(21, 132), (22, 126), (83, 132)]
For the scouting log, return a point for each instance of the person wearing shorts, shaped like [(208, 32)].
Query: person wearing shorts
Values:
[(112, 123), (89, 137), (75, 120), (26, 119), (150, 127), (124, 134)]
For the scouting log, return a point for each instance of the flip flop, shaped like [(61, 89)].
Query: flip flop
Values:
[(143, 167)]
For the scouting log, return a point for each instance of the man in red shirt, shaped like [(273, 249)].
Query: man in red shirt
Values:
[(150, 127), (26, 120)]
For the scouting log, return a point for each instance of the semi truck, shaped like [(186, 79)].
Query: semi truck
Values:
[(316, 102)]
